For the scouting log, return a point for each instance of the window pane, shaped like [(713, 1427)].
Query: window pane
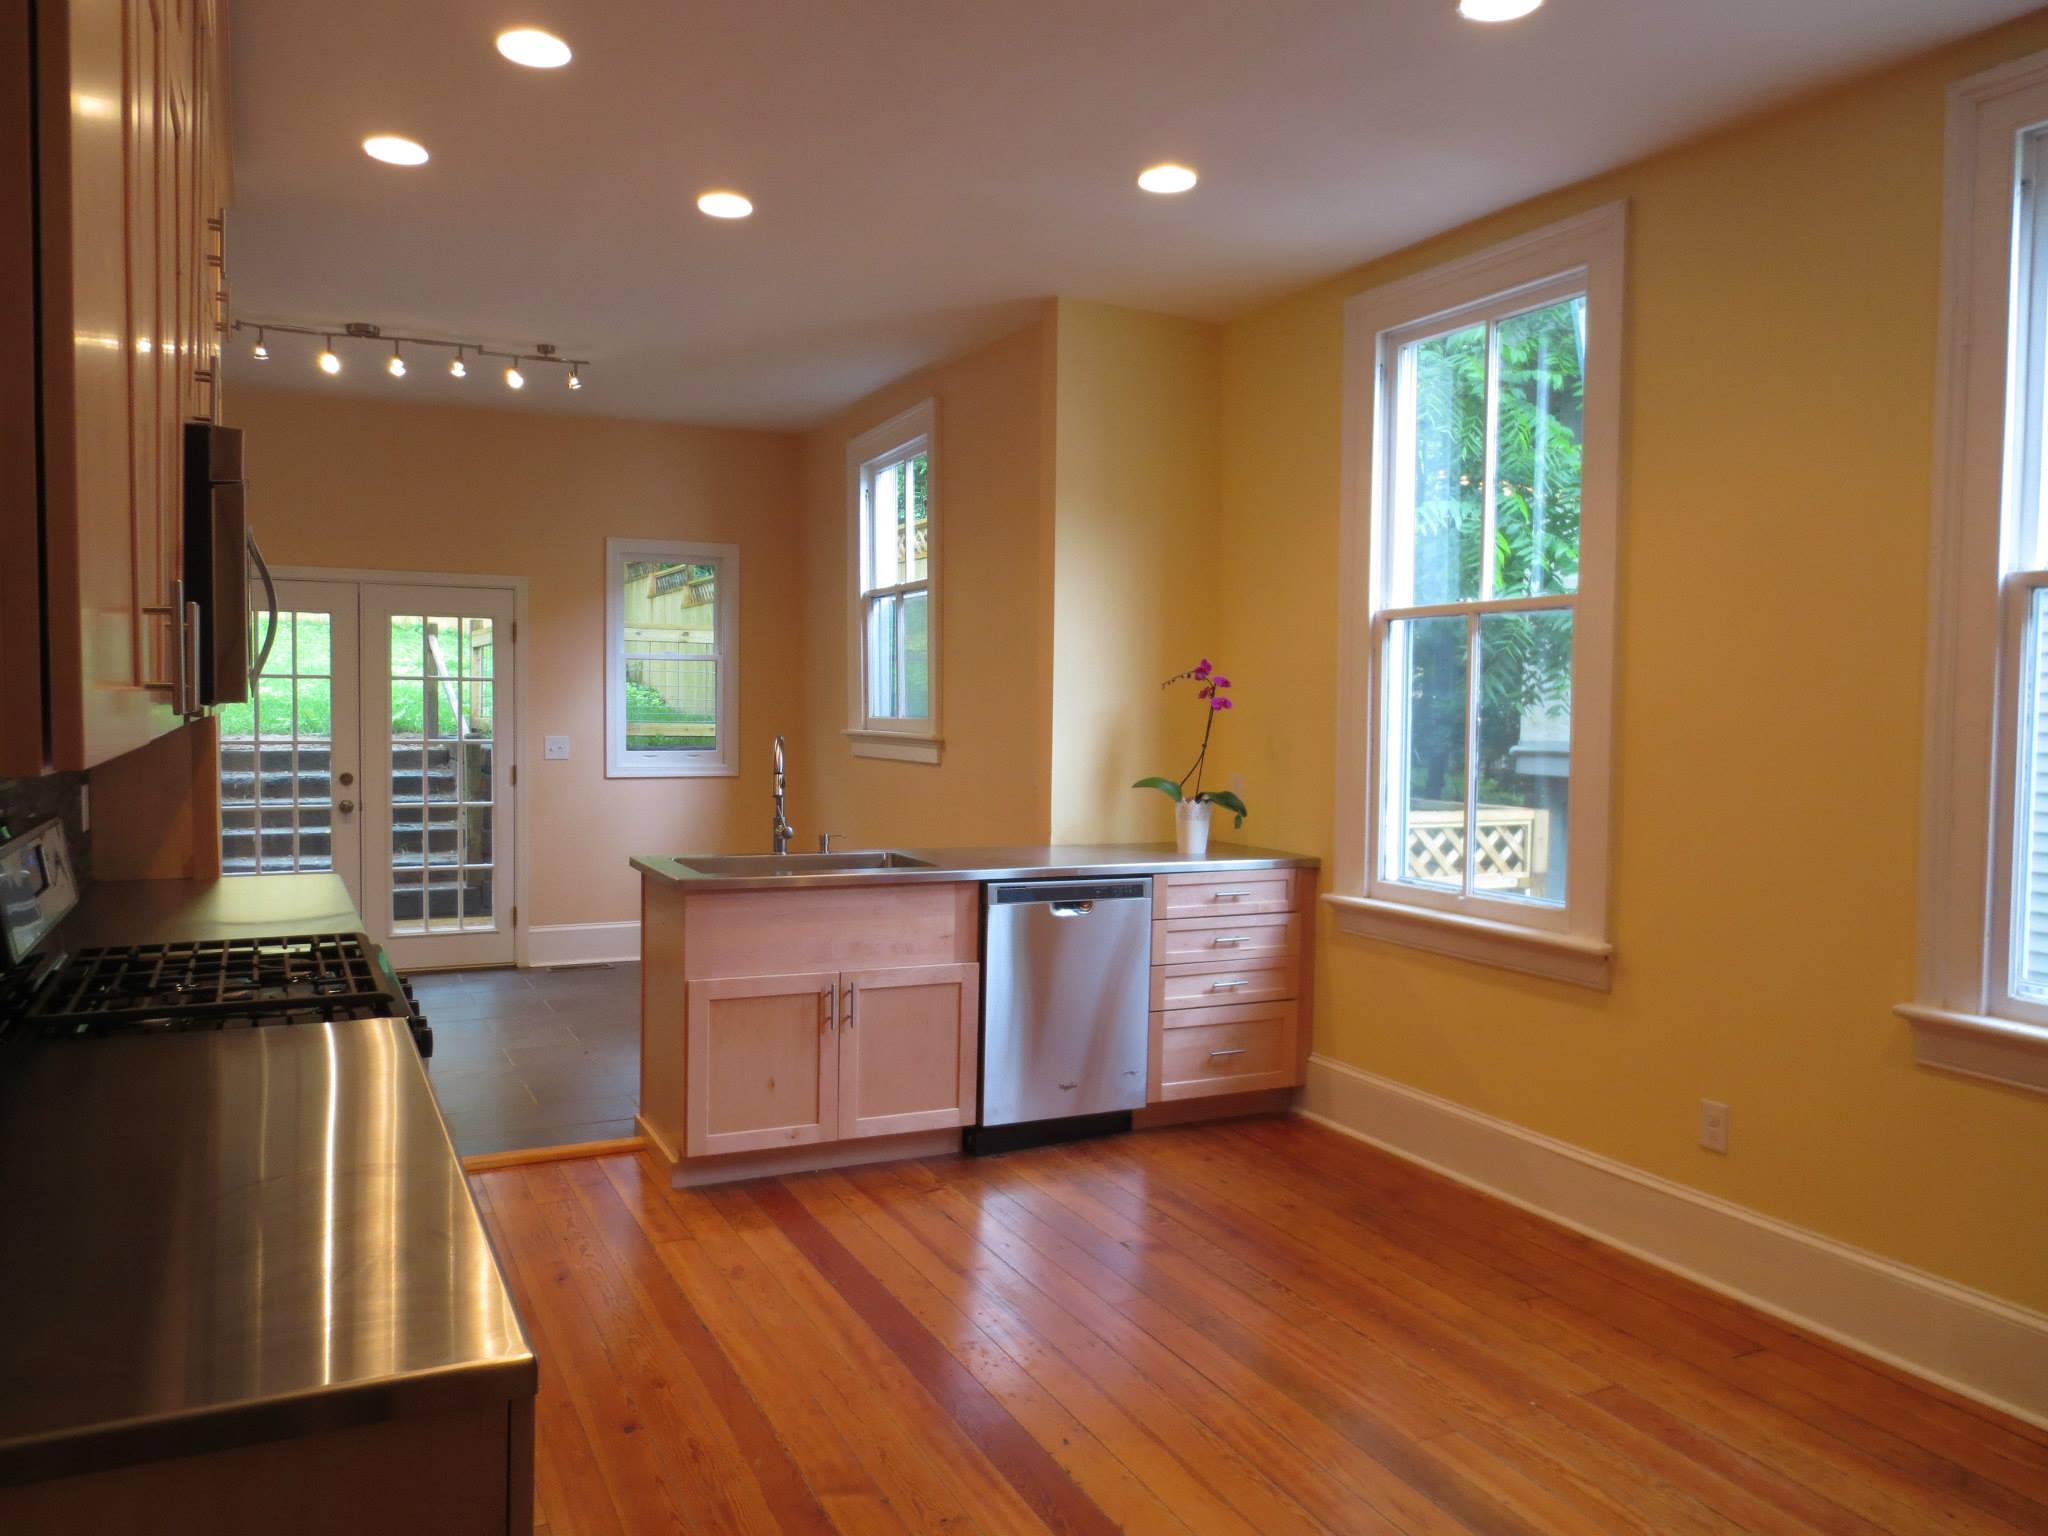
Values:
[(2030, 817), (1437, 519), (884, 630), (917, 661), (1525, 743), (1542, 416), (917, 519), (314, 648), (671, 617), (885, 527), (1424, 767), (671, 704), (316, 707)]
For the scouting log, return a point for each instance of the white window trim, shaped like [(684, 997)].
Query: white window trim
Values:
[(907, 741), (1967, 765), (723, 763), (1569, 944)]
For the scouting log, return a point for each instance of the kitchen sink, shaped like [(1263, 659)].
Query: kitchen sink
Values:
[(746, 865)]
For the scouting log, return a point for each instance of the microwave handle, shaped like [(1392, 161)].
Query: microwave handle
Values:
[(262, 657)]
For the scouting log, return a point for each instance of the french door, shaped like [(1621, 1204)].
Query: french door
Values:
[(408, 773)]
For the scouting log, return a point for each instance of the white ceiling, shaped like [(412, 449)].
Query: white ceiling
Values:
[(923, 169)]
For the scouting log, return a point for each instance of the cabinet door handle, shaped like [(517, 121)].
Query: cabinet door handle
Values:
[(1230, 940), (1232, 1050), (1228, 986), (852, 1003), (1230, 895), (831, 997)]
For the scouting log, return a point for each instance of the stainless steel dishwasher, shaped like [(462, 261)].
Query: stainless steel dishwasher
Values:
[(1066, 968)]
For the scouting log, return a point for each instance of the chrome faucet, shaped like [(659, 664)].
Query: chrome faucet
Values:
[(783, 831)]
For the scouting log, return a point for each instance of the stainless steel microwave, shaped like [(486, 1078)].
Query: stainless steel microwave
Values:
[(221, 560)]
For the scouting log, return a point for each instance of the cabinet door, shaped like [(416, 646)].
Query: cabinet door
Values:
[(909, 1055), (762, 1062)]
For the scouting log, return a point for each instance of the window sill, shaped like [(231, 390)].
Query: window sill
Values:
[(1560, 957), (894, 746), (676, 771), (1977, 1045)]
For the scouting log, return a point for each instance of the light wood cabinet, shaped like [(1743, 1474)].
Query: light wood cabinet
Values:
[(1230, 983), (799, 1022), (909, 1049), (818, 1056), (126, 241)]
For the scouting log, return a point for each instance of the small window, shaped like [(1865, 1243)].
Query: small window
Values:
[(671, 684), (893, 688), (1479, 591)]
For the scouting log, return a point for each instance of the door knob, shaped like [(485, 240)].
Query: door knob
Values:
[(345, 806)]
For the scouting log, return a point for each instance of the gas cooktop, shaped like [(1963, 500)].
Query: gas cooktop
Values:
[(219, 984)]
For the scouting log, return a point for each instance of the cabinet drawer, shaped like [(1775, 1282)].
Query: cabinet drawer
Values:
[(1224, 895), (1176, 940), (1210, 983), (1225, 1050)]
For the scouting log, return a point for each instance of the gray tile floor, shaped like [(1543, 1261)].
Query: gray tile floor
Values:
[(534, 1058)]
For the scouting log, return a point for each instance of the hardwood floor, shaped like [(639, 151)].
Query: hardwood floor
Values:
[(1253, 1327)]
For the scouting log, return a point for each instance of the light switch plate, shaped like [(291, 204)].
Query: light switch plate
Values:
[(555, 748)]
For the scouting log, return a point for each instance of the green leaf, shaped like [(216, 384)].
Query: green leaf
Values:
[(1165, 786), (1228, 801)]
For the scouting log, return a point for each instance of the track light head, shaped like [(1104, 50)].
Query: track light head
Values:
[(514, 379), (458, 369), (329, 363)]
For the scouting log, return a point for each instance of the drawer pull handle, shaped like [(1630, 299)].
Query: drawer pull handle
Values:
[(1230, 895), (1232, 1050), (1226, 940), (1228, 986)]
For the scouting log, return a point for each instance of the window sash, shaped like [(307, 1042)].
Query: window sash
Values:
[(871, 471)]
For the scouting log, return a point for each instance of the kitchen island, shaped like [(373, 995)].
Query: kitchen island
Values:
[(813, 1011)]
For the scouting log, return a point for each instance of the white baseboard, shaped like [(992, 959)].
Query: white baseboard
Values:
[(582, 944), (1962, 1339)]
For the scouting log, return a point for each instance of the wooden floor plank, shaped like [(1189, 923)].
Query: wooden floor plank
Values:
[(1255, 1326)]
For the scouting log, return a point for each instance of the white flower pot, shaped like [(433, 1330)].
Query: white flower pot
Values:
[(1191, 828)]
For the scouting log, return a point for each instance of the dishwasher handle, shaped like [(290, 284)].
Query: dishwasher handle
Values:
[(1072, 908)]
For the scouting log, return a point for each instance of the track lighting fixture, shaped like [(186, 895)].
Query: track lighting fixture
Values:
[(329, 361)]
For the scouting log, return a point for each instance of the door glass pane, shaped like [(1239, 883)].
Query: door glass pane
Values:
[(1525, 746), (275, 753), (1542, 414), (2030, 815), (1424, 767), (442, 707), (670, 647), (1437, 518)]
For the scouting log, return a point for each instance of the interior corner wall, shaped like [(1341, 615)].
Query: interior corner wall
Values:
[(991, 784), (1135, 567), (344, 482), (1783, 295)]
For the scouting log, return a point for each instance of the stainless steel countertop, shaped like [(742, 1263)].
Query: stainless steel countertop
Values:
[(1042, 861), (222, 1238), (181, 911)]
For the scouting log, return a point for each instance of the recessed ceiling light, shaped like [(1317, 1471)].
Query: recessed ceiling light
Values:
[(534, 48), (724, 205), (393, 150), (1166, 179), (1496, 10)]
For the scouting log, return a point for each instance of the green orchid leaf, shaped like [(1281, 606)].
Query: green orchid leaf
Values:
[(1165, 786), (1229, 802)]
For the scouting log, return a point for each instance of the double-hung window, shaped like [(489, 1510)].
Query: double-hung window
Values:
[(893, 651), (1981, 990), (1479, 604), (671, 664)]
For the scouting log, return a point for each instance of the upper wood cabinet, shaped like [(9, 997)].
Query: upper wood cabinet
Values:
[(132, 156)]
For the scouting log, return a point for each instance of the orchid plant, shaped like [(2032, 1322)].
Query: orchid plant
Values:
[(1212, 688)]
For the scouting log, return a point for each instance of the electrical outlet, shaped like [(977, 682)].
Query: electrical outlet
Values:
[(1714, 1125), (554, 748)]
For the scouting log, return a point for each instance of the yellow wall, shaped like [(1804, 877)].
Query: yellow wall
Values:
[(339, 481), (993, 493), (1783, 282), (1134, 574)]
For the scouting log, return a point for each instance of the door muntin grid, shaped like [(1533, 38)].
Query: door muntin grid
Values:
[(443, 773), (277, 756)]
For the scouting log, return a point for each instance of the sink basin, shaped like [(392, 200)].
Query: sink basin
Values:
[(748, 865)]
